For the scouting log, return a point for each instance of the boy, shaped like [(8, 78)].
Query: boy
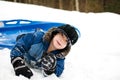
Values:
[(44, 51)]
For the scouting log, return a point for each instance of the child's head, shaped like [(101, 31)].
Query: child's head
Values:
[(68, 31), (60, 40), (63, 37)]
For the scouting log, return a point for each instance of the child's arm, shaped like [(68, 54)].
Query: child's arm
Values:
[(59, 67), (22, 46), (17, 56)]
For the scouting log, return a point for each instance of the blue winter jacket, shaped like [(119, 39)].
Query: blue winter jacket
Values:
[(32, 46)]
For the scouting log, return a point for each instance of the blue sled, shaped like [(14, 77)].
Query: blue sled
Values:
[(11, 28)]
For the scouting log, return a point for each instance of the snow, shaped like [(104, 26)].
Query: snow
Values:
[(96, 55)]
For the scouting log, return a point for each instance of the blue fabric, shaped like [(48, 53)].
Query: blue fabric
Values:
[(31, 47), (60, 67)]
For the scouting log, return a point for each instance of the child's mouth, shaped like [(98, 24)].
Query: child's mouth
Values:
[(58, 43)]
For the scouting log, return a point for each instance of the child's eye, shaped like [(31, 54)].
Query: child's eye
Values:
[(64, 37), (66, 40), (62, 34)]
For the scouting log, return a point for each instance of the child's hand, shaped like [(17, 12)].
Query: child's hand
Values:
[(20, 67), (48, 62)]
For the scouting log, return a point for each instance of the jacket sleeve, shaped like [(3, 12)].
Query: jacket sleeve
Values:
[(22, 45), (59, 67)]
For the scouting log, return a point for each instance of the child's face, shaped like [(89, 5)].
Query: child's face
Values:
[(59, 41)]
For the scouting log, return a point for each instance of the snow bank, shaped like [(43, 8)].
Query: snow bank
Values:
[(96, 56)]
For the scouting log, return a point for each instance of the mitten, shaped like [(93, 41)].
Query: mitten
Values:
[(20, 68), (48, 63)]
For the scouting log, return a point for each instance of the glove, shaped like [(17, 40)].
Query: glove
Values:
[(48, 62), (20, 68)]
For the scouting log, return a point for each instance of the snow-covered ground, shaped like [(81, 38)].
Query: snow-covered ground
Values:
[(96, 55)]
